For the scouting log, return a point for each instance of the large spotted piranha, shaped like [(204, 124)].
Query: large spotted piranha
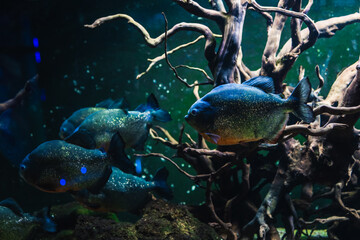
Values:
[(97, 129), (17, 225), (77, 117), (238, 113), (125, 192)]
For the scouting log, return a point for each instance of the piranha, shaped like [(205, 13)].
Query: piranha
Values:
[(125, 192), (58, 166), (238, 113), (17, 225), (97, 129), (70, 124)]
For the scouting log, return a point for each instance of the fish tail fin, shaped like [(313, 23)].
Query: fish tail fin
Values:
[(298, 99), (153, 106), (47, 223), (161, 186), (118, 156)]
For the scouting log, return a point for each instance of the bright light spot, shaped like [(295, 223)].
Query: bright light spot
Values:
[(193, 188), (138, 165), (62, 182), (37, 57), (36, 42), (83, 170)]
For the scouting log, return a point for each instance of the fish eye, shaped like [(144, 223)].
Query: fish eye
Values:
[(194, 112)]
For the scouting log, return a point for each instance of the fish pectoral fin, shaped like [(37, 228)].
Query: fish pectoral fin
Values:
[(11, 204), (82, 138), (215, 138), (262, 82), (118, 155)]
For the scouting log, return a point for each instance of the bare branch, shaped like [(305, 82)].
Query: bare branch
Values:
[(218, 5), (192, 177), (296, 26), (324, 109), (214, 153), (324, 220), (307, 130), (196, 91), (157, 59), (153, 42), (318, 74), (327, 28), (301, 73), (194, 8), (210, 80)]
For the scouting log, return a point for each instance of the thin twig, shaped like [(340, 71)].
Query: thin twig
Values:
[(318, 74), (153, 61), (192, 177)]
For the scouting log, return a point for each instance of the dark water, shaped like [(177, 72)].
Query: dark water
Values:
[(79, 67)]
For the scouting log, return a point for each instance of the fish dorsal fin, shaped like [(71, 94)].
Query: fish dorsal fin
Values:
[(120, 103), (118, 155), (13, 206), (105, 103), (125, 111), (262, 82), (82, 138), (151, 104)]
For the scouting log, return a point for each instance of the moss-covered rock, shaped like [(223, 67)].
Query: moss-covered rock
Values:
[(97, 228), (163, 220)]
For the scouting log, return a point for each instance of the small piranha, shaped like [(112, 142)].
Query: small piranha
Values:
[(17, 225), (70, 124), (238, 113), (125, 192), (97, 130), (58, 166)]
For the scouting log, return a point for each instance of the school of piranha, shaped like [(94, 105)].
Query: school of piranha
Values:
[(89, 159)]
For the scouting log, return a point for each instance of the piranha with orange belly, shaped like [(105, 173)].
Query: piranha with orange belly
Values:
[(238, 113)]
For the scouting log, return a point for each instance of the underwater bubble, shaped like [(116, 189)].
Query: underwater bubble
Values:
[(88, 71), (92, 77), (182, 165), (188, 192), (51, 111), (102, 79), (162, 159), (112, 90), (75, 83), (143, 176), (44, 126), (31, 134), (83, 170), (66, 76), (172, 185), (62, 182), (193, 188)]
